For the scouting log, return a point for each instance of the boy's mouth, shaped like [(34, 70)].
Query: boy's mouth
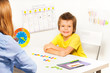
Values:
[(65, 32)]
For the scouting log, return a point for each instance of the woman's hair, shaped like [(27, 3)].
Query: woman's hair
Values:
[(6, 25), (68, 16)]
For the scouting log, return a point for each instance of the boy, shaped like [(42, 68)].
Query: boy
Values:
[(67, 42)]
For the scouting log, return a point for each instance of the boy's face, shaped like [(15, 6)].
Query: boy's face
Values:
[(66, 27)]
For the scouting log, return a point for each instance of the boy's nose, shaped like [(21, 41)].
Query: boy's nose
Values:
[(66, 28)]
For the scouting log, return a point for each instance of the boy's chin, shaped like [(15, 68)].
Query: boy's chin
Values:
[(66, 35)]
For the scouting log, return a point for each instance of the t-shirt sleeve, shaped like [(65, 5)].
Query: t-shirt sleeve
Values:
[(55, 40), (75, 42)]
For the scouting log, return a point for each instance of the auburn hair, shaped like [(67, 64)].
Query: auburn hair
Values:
[(6, 25), (68, 16)]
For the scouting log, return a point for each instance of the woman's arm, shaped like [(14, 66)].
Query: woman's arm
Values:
[(23, 62)]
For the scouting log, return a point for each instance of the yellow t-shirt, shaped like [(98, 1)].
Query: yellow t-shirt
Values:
[(73, 41)]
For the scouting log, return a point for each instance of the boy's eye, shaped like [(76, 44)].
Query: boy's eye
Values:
[(62, 26), (69, 26)]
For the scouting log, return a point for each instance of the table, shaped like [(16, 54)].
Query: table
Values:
[(95, 65)]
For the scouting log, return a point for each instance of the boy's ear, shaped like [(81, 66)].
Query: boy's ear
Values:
[(59, 29)]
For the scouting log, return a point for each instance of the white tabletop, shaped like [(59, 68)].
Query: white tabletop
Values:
[(41, 65)]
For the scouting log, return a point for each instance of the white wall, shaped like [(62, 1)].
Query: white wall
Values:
[(97, 5), (18, 6), (61, 6)]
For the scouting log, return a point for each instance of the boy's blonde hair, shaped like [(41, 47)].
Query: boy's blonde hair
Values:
[(68, 16), (6, 25)]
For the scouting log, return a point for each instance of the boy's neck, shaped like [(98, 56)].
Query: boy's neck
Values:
[(66, 37)]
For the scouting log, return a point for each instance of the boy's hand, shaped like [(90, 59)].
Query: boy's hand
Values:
[(62, 53), (47, 46)]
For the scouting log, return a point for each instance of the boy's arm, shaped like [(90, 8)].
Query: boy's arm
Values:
[(68, 50), (56, 47), (55, 52), (52, 46), (62, 53)]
